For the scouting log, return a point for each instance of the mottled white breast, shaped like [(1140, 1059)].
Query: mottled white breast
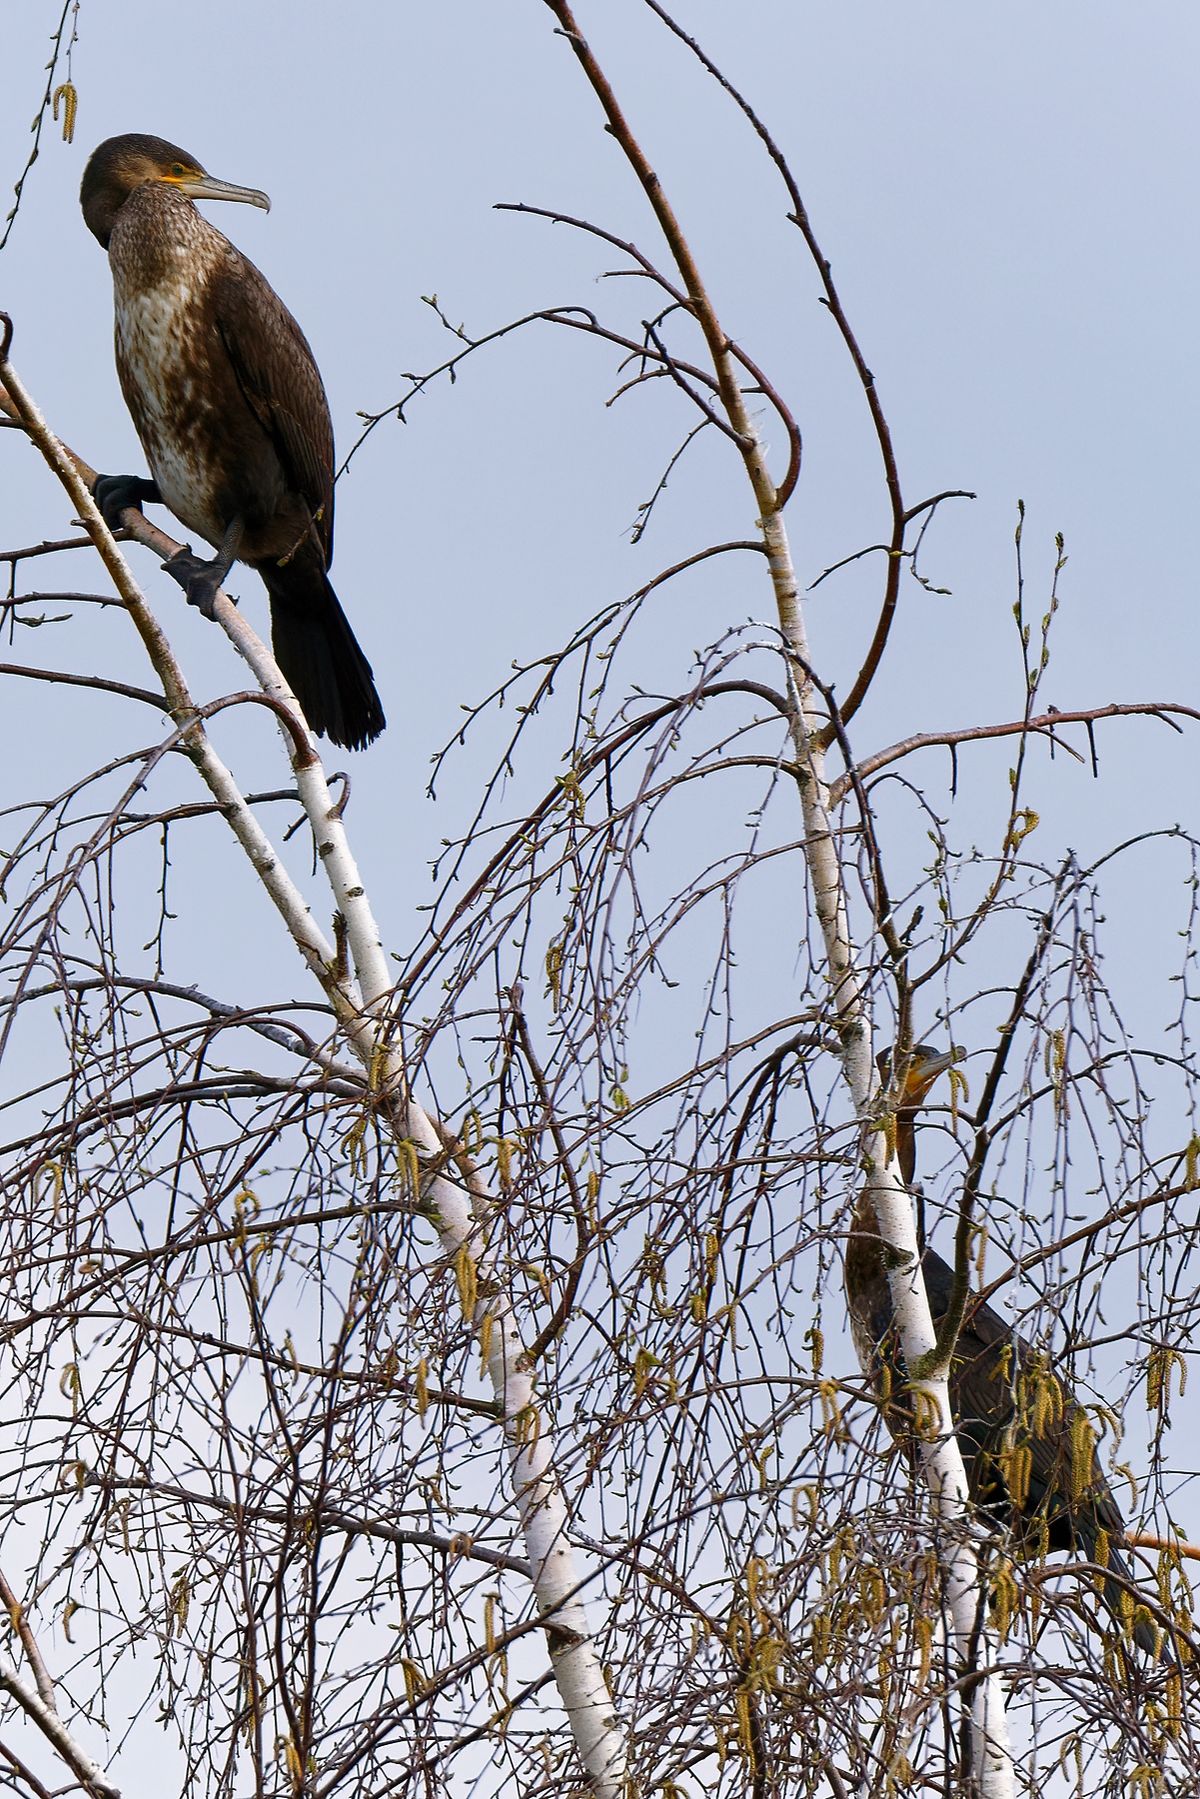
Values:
[(163, 376)]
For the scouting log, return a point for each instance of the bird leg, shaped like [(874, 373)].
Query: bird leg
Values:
[(201, 580), (114, 494)]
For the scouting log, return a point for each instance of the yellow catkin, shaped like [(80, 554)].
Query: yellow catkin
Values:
[(408, 1165), (712, 1254), (900, 1775), (528, 1426), (765, 1661), (816, 1344), (354, 1146), (741, 1700), (1005, 1597), (810, 1494), (1083, 1451), (831, 1411), (756, 1578), (1167, 1568), (872, 1593), (644, 1364), (1191, 1164), (1047, 1406), (495, 1670), (295, 1766), (466, 1279), (1173, 1699), (68, 94), (179, 1603), (554, 963), (57, 1182), (960, 1092), (487, 1330), (1016, 1466), (927, 1415), (1160, 1367)]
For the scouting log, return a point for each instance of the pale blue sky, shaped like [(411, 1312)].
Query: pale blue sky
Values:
[(1006, 196)]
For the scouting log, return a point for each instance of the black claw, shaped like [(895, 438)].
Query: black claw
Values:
[(199, 578), (114, 494)]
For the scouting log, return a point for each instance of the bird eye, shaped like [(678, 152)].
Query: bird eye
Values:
[(177, 170)]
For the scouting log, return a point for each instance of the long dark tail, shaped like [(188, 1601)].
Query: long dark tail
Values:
[(319, 655), (1120, 1596)]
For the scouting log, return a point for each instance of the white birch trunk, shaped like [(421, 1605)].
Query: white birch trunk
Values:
[(941, 1458)]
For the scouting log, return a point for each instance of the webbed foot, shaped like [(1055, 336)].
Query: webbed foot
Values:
[(199, 578), (114, 494)]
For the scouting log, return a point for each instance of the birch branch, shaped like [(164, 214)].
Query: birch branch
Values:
[(33, 1653), (1046, 724), (363, 1009), (55, 1731)]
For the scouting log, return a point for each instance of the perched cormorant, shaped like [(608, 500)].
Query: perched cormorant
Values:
[(1028, 1452), (230, 409)]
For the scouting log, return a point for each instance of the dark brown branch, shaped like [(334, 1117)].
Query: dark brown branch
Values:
[(59, 678), (1044, 724), (832, 300), (652, 273)]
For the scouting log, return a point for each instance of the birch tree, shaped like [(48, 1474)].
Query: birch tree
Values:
[(436, 1378)]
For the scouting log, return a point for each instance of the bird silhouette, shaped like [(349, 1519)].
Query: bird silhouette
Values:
[(1028, 1446)]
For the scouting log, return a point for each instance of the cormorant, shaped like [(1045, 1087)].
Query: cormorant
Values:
[(1030, 1464), (230, 409)]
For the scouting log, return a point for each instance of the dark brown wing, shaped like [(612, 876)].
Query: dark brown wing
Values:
[(1005, 1390), (1005, 1394), (276, 372)]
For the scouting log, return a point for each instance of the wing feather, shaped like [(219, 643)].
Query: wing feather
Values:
[(278, 374)]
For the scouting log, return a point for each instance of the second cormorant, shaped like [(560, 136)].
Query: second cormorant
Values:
[(1026, 1442)]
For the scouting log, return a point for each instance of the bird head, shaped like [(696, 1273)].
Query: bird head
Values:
[(919, 1068), (123, 164)]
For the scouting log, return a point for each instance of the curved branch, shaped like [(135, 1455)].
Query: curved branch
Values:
[(1043, 724), (832, 300), (55, 1731)]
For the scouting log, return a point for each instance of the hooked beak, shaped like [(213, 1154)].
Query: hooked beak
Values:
[(924, 1070), (207, 187)]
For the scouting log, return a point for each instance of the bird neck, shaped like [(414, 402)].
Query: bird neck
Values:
[(158, 236)]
